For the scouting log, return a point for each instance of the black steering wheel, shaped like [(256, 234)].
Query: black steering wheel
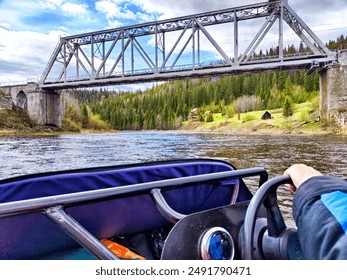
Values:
[(275, 241)]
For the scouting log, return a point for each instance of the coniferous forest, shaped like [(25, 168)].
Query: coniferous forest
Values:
[(167, 105)]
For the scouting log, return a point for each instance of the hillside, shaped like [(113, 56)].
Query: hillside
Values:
[(301, 122), (17, 122)]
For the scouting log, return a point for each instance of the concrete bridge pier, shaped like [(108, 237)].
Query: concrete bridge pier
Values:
[(333, 91), (52, 107), (43, 107)]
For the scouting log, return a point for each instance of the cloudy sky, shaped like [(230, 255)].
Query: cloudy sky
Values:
[(30, 29)]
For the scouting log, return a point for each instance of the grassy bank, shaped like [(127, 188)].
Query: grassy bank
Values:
[(17, 123), (303, 121)]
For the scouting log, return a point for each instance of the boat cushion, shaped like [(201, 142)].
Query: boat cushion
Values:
[(32, 235)]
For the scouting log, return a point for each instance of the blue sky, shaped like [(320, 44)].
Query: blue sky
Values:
[(30, 29)]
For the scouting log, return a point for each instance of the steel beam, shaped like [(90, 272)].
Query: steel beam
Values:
[(280, 35), (236, 39)]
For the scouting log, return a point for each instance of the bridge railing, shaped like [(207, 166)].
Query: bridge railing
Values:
[(19, 83), (271, 58)]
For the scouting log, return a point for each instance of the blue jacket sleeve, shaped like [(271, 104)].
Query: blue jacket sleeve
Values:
[(320, 212)]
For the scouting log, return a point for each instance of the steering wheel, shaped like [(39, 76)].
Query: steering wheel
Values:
[(277, 242)]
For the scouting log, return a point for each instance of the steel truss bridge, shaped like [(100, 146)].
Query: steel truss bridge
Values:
[(159, 51)]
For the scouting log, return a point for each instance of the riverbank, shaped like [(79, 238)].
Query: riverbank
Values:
[(303, 121), (17, 123)]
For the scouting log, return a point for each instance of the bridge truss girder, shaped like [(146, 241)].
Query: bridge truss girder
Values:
[(141, 53)]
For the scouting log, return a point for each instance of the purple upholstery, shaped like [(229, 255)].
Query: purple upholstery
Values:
[(32, 235)]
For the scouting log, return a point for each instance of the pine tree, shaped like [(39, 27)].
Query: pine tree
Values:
[(287, 107), (85, 117), (309, 83), (288, 87), (281, 80)]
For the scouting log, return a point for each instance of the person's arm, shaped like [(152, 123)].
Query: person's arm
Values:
[(320, 212)]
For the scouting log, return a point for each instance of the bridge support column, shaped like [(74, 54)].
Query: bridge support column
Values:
[(51, 106), (42, 106), (333, 91)]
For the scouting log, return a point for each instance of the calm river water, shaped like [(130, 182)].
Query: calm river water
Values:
[(25, 155)]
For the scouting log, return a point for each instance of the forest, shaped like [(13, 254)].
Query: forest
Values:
[(167, 105)]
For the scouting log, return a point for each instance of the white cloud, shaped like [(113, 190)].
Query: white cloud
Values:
[(76, 10), (144, 17), (116, 10), (24, 54), (13, 12), (5, 25), (68, 8), (50, 4), (170, 9), (109, 8), (114, 23)]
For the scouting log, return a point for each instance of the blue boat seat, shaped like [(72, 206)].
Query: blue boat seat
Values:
[(33, 235)]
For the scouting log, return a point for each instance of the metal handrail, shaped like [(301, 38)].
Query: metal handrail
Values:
[(19, 83), (39, 204)]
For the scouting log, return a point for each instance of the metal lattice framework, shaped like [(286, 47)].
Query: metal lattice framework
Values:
[(143, 53)]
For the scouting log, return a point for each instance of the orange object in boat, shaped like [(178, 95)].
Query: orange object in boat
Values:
[(121, 251)]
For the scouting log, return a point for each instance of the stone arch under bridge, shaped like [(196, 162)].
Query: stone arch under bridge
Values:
[(21, 100)]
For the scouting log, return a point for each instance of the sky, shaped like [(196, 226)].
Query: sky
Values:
[(30, 29)]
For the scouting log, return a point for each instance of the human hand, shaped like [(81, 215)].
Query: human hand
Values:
[(299, 173)]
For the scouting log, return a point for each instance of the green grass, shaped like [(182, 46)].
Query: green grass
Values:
[(251, 122)]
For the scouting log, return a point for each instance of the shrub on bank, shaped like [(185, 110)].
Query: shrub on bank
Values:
[(96, 123), (304, 116), (249, 117), (70, 125), (210, 118)]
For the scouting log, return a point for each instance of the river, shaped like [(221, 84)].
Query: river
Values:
[(26, 155)]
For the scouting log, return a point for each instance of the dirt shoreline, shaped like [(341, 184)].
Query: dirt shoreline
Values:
[(46, 131), (195, 127), (265, 128)]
